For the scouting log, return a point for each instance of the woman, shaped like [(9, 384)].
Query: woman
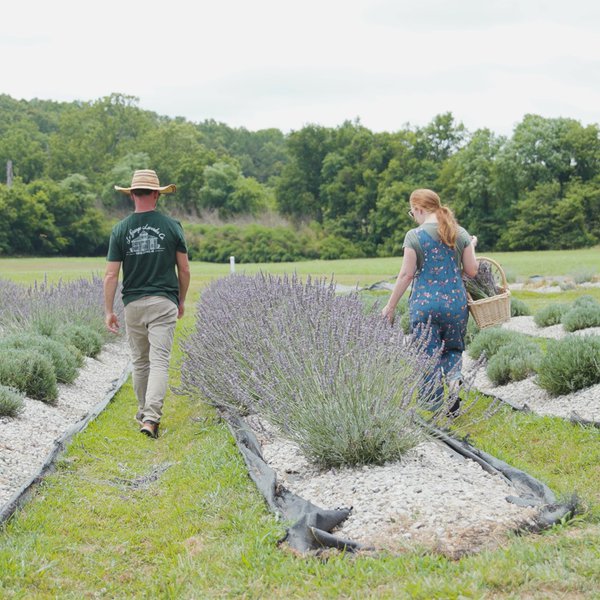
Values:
[(435, 253)]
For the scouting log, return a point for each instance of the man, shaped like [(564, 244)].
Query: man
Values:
[(151, 249)]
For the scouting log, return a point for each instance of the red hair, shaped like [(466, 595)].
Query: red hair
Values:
[(429, 201)]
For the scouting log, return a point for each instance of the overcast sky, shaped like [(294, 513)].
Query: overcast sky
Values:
[(278, 63)]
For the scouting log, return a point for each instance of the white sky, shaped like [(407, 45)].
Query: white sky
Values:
[(276, 63)]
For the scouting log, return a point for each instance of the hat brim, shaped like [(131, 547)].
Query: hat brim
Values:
[(167, 189)]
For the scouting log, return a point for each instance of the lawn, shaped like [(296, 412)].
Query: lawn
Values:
[(520, 265), (129, 517)]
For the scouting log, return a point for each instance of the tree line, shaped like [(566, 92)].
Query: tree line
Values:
[(342, 190)]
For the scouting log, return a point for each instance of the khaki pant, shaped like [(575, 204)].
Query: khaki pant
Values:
[(150, 323)]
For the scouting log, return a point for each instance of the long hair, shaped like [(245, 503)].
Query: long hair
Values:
[(429, 201)]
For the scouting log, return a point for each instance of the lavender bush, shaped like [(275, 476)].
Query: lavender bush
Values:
[(11, 401), (43, 330), (44, 308), (344, 385)]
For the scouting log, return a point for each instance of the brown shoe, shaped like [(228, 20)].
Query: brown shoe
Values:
[(150, 428)]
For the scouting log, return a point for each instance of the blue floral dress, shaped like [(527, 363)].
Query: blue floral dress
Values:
[(438, 299)]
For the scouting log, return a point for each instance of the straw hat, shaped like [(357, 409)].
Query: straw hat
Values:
[(146, 179)]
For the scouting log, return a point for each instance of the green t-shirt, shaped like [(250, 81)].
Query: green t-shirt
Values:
[(146, 244), (411, 240)]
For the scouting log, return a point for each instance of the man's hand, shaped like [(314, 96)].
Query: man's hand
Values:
[(112, 323)]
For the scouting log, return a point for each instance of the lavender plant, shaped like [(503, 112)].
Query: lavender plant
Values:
[(65, 359), (344, 385), (44, 308), (11, 402), (570, 364)]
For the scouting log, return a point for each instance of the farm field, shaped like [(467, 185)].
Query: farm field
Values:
[(520, 265), (102, 527)]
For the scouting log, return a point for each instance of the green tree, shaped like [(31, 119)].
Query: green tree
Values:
[(229, 192), (469, 183), (30, 227), (298, 189), (24, 145)]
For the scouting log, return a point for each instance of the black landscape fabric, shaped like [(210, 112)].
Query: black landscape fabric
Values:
[(312, 526)]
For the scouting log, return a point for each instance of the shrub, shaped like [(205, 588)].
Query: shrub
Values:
[(258, 244), (344, 385), (582, 317), (570, 364), (249, 243), (44, 308), (472, 331), (86, 339), (511, 276), (514, 362), (29, 372), (583, 276), (585, 300), (336, 247), (551, 314), (66, 361), (489, 340), (518, 308), (11, 402)]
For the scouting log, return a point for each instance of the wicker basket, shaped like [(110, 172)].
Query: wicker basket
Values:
[(495, 309)]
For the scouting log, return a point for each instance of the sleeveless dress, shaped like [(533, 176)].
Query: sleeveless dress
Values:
[(438, 300)]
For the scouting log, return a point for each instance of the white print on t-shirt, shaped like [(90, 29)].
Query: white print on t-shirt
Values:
[(144, 240)]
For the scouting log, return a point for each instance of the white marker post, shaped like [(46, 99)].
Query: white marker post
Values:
[(232, 264)]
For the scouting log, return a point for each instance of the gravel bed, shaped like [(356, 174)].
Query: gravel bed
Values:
[(527, 325), (527, 395), (584, 403), (26, 441), (433, 497)]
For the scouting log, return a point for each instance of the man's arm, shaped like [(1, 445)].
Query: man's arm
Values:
[(184, 276), (111, 282)]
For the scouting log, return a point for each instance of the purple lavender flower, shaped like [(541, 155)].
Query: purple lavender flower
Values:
[(338, 381)]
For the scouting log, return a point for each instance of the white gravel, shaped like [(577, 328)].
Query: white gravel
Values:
[(527, 325), (432, 497), (27, 440)]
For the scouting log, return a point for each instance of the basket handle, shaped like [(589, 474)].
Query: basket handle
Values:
[(491, 260)]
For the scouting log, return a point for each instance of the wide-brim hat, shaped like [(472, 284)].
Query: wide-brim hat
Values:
[(146, 179)]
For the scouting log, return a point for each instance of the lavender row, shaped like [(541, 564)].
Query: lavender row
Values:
[(339, 381), (45, 331)]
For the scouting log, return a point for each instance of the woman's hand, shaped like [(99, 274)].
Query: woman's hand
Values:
[(389, 313), (474, 240)]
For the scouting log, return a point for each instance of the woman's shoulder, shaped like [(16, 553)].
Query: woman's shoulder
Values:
[(411, 238), (463, 233)]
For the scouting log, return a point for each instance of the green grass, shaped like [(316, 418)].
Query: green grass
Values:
[(125, 516), (362, 271), (536, 300)]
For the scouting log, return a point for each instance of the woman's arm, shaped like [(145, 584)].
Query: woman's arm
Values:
[(469, 262), (406, 275)]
